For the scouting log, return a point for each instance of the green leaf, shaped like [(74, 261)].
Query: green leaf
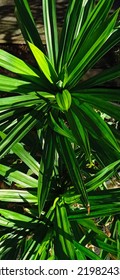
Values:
[(80, 255), (20, 130), (95, 124), (103, 77), (47, 95), (44, 247), (15, 216), (46, 169), (103, 204), (17, 196), (105, 94), (19, 101), (61, 128), (71, 27), (92, 22), (112, 249), (79, 131), (112, 41), (64, 248), (73, 168), (29, 248), (90, 225), (8, 84), (99, 99), (25, 156), (86, 10), (91, 255), (5, 223), (44, 64), (51, 33), (103, 152), (88, 50), (17, 177), (64, 100), (116, 233), (27, 24), (102, 176), (18, 66), (10, 114)]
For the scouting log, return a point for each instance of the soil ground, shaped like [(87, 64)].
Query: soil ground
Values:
[(9, 30)]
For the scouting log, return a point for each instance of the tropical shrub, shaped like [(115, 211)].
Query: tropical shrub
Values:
[(57, 151)]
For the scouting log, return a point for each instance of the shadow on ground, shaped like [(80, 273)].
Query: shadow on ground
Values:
[(9, 30)]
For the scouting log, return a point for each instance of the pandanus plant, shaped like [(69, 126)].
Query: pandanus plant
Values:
[(56, 150)]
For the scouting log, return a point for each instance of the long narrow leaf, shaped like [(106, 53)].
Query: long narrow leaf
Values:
[(62, 130), (105, 94), (27, 23), (50, 23), (102, 176), (103, 203), (20, 130), (15, 217), (94, 20), (18, 66), (79, 132), (14, 176), (96, 125), (64, 248), (98, 101), (73, 167), (87, 7), (72, 24), (17, 196), (18, 101), (25, 156), (86, 54), (8, 84), (44, 64), (91, 255), (112, 41), (104, 77), (46, 169)]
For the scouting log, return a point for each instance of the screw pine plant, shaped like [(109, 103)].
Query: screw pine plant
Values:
[(56, 150)]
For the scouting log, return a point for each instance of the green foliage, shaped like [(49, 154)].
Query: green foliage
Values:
[(56, 150)]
